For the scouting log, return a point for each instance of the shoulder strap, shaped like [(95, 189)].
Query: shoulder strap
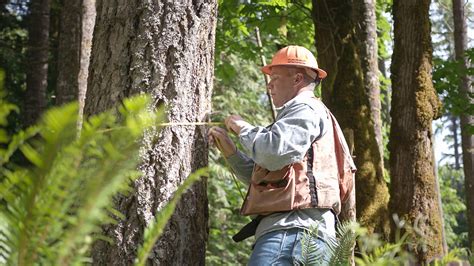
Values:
[(345, 162), (309, 173), (339, 136)]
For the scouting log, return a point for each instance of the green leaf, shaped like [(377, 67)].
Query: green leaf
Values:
[(32, 155), (281, 3)]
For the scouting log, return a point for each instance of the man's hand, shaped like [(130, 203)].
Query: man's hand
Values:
[(224, 143), (235, 123)]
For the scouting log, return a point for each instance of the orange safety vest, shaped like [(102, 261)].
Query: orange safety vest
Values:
[(323, 179)]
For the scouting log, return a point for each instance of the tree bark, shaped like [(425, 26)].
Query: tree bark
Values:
[(74, 49), (88, 22), (165, 48), (366, 44), (454, 131), (347, 92), (69, 51), (467, 119), (413, 191), (37, 65)]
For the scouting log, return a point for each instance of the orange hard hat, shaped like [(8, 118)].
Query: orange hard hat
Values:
[(297, 56)]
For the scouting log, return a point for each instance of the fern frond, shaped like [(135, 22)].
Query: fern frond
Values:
[(335, 251), (310, 253), (52, 207), (343, 246), (454, 255), (16, 141), (374, 252)]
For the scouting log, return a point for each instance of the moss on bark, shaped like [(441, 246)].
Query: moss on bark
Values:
[(414, 193), (344, 92)]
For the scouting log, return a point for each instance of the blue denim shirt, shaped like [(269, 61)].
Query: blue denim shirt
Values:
[(299, 122)]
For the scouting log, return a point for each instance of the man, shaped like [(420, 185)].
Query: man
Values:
[(290, 165)]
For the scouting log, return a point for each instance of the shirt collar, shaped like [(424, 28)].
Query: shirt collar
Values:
[(303, 94)]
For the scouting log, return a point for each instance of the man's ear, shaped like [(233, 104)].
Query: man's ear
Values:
[(299, 78)]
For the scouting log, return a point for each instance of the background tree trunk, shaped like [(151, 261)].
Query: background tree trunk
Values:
[(37, 61), (69, 51), (346, 94), (467, 120), (366, 44), (164, 48), (88, 22), (413, 192), (455, 133), (74, 49), (385, 105)]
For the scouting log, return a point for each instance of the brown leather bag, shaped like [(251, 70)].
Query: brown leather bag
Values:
[(275, 191), (271, 191)]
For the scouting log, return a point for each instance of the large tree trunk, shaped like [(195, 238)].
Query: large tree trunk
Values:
[(165, 48), (69, 51), (460, 44), (413, 191), (37, 65), (348, 94)]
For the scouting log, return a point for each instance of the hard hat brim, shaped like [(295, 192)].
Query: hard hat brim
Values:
[(267, 69)]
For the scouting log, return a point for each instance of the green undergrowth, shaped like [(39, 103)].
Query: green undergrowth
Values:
[(55, 201)]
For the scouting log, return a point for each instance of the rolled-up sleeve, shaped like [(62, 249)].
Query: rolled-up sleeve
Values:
[(286, 141)]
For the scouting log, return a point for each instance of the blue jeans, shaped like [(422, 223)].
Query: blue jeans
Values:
[(282, 247)]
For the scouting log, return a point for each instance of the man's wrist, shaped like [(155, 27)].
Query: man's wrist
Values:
[(242, 124), (244, 128), (230, 153)]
